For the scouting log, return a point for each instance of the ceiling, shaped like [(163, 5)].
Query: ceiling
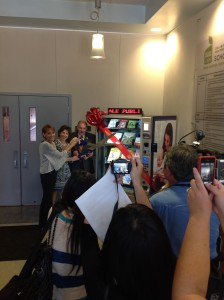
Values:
[(127, 16)]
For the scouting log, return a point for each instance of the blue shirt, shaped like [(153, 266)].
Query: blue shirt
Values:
[(172, 208)]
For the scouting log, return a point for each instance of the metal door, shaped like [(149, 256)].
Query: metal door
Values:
[(28, 115), (10, 192)]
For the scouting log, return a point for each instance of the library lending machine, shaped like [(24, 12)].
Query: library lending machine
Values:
[(143, 136)]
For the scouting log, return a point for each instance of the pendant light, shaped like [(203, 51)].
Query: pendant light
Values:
[(97, 38)]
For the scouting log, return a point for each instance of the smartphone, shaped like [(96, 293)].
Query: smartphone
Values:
[(220, 170), (206, 168), (121, 166)]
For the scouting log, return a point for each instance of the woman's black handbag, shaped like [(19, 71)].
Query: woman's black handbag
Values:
[(35, 279), (37, 285)]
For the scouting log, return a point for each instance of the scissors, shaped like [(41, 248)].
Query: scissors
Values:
[(101, 143)]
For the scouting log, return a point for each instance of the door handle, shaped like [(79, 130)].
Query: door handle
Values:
[(25, 159), (15, 159)]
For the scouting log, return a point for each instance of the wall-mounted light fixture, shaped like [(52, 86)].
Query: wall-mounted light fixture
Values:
[(97, 38)]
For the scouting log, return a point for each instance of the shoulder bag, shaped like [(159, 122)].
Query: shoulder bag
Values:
[(35, 279)]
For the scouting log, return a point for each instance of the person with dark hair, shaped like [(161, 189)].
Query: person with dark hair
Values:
[(136, 261), (51, 160), (171, 203), (63, 173), (85, 161), (67, 272)]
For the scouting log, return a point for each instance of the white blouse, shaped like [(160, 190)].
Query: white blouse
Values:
[(50, 158)]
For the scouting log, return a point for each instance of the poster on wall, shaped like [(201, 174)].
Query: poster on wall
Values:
[(164, 136), (210, 55), (209, 90)]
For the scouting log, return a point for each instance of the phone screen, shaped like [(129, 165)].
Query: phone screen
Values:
[(127, 179), (207, 169), (121, 168), (220, 170)]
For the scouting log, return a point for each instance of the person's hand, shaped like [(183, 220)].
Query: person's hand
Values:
[(85, 221), (87, 155), (199, 200), (84, 156), (74, 141), (90, 154), (75, 153), (119, 178), (136, 170), (74, 158), (217, 189)]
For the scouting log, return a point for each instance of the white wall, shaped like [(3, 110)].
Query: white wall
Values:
[(179, 77), (50, 61), (132, 75)]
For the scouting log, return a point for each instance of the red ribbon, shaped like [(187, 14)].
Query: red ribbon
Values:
[(94, 118)]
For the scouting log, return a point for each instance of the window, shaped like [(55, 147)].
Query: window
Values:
[(6, 124), (33, 125)]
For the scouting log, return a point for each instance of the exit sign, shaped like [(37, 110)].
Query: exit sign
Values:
[(125, 111)]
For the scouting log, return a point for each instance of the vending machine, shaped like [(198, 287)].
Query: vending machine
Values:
[(141, 135)]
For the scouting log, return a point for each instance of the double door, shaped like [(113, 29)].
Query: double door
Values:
[(23, 117)]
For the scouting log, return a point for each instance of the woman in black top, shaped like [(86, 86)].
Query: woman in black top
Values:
[(136, 261)]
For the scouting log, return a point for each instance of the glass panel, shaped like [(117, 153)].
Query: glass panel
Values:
[(6, 124), (33, 127)]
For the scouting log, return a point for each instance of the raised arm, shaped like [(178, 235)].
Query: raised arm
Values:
[(72, 143), (136, 172), (217, 189), (193, 264)]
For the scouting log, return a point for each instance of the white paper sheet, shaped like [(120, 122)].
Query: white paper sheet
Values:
[(97, 203)]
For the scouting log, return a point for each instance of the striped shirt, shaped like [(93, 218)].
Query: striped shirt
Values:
[(67, 285)]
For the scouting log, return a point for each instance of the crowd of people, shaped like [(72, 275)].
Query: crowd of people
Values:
[(58, 159), (158, 248)]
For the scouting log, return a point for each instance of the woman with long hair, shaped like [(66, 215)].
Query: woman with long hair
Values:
[(136, 261), (68, 280)]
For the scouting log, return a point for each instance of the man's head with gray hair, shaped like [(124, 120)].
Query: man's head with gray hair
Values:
[(181, 160)]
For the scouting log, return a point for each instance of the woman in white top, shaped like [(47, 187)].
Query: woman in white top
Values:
[(51, 160)]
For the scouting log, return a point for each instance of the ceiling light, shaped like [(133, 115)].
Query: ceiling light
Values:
[(97, 38), (97, 46), (155, 29)]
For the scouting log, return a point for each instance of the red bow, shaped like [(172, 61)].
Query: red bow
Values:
[(94, 117)]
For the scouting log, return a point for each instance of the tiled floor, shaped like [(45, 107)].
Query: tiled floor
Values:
[(9, 216)]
